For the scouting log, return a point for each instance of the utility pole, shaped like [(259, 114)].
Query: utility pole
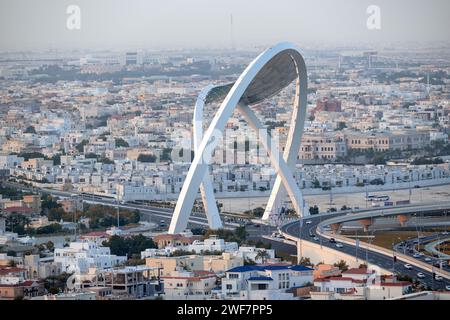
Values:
[(299, 250), (118, 220), (393, 259)]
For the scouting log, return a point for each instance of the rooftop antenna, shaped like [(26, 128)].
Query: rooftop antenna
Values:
[(231, 32)]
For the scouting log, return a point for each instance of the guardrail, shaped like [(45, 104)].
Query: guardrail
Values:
[(385, 252)]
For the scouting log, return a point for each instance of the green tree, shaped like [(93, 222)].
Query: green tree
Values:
[(306, 262), (342, 265), (263, 255), (150, 158), (30, 129), (80, 146), (121, 143), (129, 246), (50, 245)]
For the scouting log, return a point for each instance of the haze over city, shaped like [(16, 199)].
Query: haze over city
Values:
[(175, 24), (238, 153)]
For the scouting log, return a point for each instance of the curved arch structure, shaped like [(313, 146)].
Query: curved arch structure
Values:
[(267, 75)]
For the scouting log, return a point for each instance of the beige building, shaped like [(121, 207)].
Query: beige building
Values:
[(71, 205), (184, 285), (169, 265), (393, 140), (212, 263), (33, 201), (366, 141), (322, 146)]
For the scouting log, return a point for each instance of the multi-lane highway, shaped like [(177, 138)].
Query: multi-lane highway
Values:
[(308, 232), (159, 215)]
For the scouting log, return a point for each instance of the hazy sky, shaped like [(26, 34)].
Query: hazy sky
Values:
[(41, 24)]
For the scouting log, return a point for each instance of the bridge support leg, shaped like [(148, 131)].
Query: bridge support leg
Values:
[(335, 227), (366, 223), (402, 219)]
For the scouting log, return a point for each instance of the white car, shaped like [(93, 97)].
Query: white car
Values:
[(447, 288), (416, 255), (438, 278), (428, 259), (420, 275), (316, 239), (339, 245), (408, 266), (308, 222)]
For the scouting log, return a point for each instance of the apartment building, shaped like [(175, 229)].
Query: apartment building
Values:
[(265, 282), (322, 146), (389, 140), (185, 285), (80, 256)]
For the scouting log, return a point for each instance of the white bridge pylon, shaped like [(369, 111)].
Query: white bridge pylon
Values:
[(269, 73)]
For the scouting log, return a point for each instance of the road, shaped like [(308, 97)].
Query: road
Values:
[(363, 254), (161, 216)]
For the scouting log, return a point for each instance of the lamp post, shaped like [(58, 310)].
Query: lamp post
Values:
[(393, 259)]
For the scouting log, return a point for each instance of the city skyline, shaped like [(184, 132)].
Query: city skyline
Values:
[(197, 24), (224, 151)]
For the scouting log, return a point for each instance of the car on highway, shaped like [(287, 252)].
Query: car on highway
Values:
[(332, 240), (438, 278), (447, 288), (416, 255), (408, 266), (312, 235), (308, 222), (276, 235), (339, 245), (420, 275), (316, 239), (428, 259)]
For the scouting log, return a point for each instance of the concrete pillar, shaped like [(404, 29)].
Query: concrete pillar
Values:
[(366, 223), (402, 219), (335, 227)]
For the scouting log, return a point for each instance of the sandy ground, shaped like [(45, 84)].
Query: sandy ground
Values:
[(421, 195)]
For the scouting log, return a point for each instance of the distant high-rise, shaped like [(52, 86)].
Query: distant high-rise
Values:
[(131, 58)]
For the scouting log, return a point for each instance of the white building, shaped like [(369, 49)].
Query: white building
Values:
[(80, 256), (185, 285), (213, 243), (270, 282), (359, 284), (253, 254)]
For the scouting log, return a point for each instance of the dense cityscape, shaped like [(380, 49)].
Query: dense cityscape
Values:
[(105, 193)]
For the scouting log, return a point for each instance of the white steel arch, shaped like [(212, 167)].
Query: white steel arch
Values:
[(283, 63)]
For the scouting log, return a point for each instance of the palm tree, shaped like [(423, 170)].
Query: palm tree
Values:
[(263, 255)]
